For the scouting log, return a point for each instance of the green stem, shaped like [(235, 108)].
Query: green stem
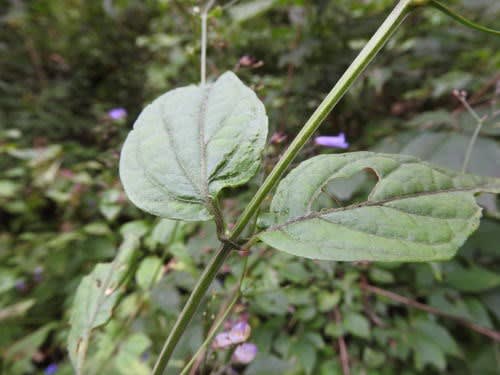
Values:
[(213, 330), (203, 55), (366, 55), (190, 308), (464, 21)]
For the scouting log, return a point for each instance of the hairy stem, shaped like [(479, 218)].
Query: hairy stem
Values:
[(203, 58), (190, 307), (357, 67), (235, 295)]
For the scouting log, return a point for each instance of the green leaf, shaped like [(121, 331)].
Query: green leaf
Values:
[(162, 233), (357, 325), (16, 310), (373, 358), (128, 358), (473, 279), (8, 189), (273, 303), (427, 352), (189, 144), (437, 334), (28, 345), (244, 11), (95, 299), (415, 212), (446, 149), (148, 273), (328, 300), (306, 354)]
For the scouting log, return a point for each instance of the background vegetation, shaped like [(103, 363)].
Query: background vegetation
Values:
[(65, 64)]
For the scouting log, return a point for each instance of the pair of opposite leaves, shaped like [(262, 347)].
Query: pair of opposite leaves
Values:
[(194, 141)]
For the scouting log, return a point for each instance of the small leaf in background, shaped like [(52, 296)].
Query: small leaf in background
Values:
[(110, 206), (28, 345), (135, 228), (149, 272), (162, 233), (95, 299), (191, 143), (381, 276), (8, 188), (328, 300), (128, 360), (417, 202), (272, 302), (16, 310), (268, 364), (357, 325), (244, 11), (431, 343), (373, 358), (437, 334), (446, 149), (305, 354), (472, 279), (7, 279)]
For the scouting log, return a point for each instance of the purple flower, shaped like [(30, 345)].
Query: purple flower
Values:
[(222, 341), (21, 286), (332, 141), (38, 274), (245, 353), (51, 369), (240, 332), (117, 114)]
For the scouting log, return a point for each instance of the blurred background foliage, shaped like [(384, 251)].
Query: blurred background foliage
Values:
[(65, 64)]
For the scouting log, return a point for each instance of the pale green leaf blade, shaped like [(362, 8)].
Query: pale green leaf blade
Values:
[(95, 299), (415, 212), (246, 10), (189, 144)]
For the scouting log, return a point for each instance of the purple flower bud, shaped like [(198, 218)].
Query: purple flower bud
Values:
[(245, 353), (338, 141), (240, 332), (38, 274), (222, 341), (51, 369), (21, 286), (117, 114)]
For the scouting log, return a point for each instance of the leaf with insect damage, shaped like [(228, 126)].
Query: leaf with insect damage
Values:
[(415, 212), (95, 299)]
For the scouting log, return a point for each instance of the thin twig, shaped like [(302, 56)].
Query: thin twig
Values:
[(494, 335), (344, 354), (203, 62), (462, 97), (476, 98), (366, 304), (36, 61)]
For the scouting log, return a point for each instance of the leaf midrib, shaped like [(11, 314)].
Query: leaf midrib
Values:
[(318, 214), (202, 117)]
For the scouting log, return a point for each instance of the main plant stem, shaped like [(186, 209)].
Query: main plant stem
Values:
[(359, 64)]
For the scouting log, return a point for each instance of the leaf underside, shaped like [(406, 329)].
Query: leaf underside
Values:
[(95, 299), (415, 212), (189, 144)]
